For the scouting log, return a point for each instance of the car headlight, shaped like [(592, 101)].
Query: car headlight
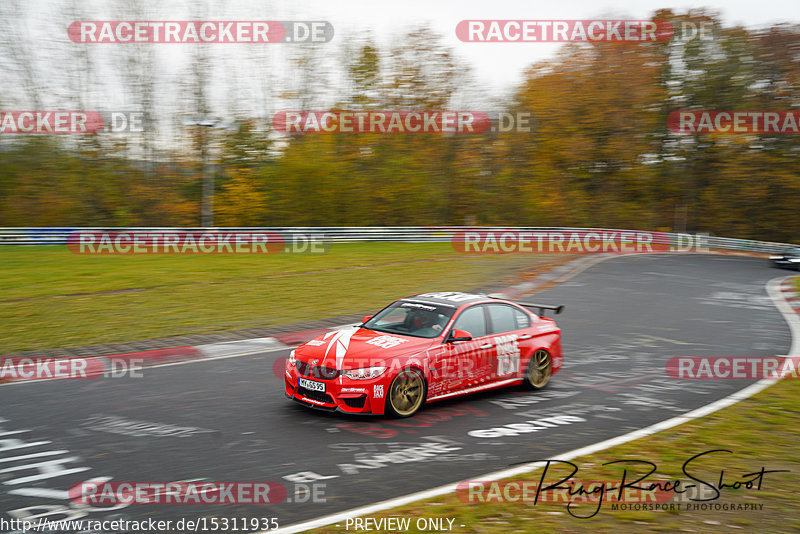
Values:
[(292, 360), (365, 373), (776, 257), (795, 260)]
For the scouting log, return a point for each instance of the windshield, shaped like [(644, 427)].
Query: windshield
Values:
[(411, 319)]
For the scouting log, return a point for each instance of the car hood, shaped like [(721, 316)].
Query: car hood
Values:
[(354, 347)]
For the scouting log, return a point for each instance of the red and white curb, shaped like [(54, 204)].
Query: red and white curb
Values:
[(789, 292)]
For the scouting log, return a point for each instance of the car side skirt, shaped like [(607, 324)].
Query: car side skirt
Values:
[(475, 389)]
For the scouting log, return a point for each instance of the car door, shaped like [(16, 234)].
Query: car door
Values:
[(462, 364), (509, 337)]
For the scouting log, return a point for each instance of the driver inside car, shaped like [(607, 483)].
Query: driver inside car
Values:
[(425, 323)]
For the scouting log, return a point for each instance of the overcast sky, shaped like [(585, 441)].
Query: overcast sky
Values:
[(499, 65)]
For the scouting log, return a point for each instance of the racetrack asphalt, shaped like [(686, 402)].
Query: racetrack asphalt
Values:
[(228, 420)]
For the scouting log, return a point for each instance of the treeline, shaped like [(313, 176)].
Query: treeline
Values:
[(599, 153)]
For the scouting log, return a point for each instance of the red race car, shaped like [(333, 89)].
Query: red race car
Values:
[(426, 348)]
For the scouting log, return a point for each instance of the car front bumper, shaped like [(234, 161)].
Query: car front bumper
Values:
[(341, 394)]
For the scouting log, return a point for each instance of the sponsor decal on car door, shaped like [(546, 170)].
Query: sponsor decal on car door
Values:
[(507, 355), (465, 363), (451, 366)]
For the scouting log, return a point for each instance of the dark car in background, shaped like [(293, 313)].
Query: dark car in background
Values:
[(789, 258)]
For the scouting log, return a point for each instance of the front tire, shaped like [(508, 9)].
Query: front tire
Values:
[(540, 367), (406, 393)]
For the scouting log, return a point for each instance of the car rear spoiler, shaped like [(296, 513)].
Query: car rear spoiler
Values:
[(542, 307)]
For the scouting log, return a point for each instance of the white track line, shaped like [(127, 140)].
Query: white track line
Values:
[(773, 290)]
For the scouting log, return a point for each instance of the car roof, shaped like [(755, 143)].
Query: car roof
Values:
[(453, 299)]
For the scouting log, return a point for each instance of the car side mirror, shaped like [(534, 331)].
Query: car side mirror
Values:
[(459, 335), (366, 318)]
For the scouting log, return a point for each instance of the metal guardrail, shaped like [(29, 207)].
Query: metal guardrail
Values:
[(343, 234)]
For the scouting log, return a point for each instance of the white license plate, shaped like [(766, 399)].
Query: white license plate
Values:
[(310, 384)]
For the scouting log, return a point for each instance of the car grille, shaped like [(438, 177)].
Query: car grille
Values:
[(317, 371), (357, 402), (315, 395)]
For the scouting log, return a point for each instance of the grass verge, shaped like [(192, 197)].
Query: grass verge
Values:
[(52, 298)]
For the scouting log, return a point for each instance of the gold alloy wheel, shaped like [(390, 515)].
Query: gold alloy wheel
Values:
[(539, 369), (406, 392)]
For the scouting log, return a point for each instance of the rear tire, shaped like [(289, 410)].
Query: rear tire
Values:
[(406, 393), (540, 367)]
